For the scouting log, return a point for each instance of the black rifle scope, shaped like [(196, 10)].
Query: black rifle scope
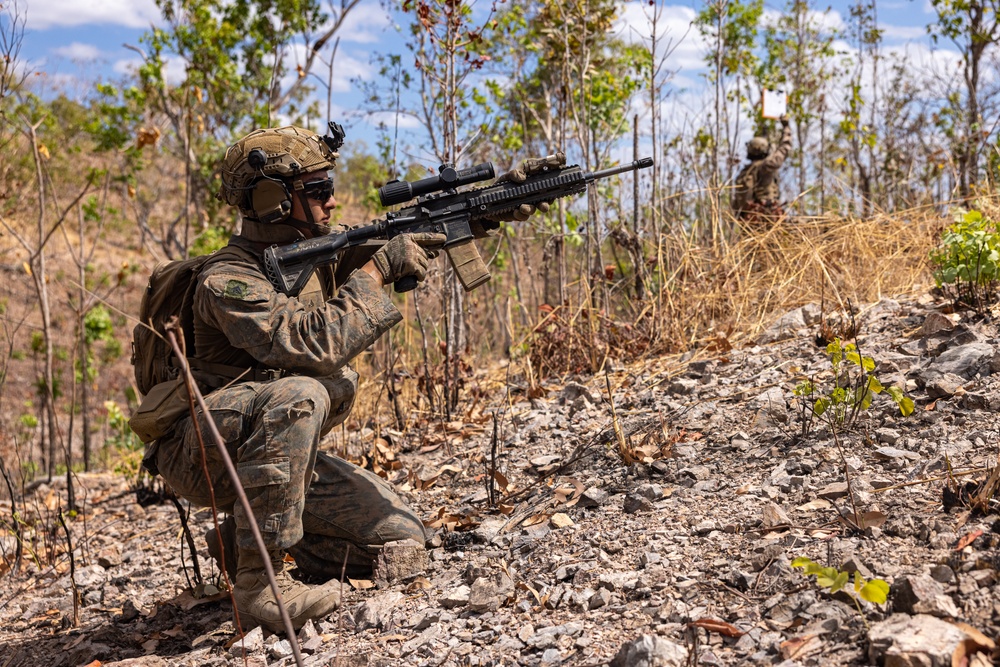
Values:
[(448, 178)]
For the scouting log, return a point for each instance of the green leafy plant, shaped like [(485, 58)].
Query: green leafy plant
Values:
[(874, 591), (122, 446), (854, 387), (968, 259)]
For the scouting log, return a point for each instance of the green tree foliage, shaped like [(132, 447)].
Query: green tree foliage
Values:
[(234, 55), (974, 27), (968, 259), (797, 57), (730, 29)]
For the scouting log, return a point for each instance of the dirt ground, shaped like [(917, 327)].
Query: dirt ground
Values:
[(649, 516)]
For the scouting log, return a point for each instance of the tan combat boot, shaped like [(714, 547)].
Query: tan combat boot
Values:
[(256, 602)]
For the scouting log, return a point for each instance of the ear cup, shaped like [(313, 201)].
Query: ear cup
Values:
[(271, 201)]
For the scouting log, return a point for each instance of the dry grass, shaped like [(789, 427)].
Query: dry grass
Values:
[(735, 289)]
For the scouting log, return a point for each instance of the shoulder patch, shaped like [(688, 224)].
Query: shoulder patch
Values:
[(236, 289)]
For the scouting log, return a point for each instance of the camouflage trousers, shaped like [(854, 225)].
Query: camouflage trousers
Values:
[(760, 216), (318, 507)]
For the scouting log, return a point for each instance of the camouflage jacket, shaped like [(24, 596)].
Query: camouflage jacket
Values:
[(241, 320)]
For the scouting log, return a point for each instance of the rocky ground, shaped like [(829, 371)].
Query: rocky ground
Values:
[(659, 530)]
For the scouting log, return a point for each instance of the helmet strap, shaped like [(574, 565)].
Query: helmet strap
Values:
[(300, 189)]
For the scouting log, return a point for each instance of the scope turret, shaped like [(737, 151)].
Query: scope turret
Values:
[(447, 178)]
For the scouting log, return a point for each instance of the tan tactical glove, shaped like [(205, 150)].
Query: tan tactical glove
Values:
[(519, 174), (406, 256)]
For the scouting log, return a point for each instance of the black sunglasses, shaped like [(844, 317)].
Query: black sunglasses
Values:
[(319, 190)]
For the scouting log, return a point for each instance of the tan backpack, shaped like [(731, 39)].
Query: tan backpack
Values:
[(169, 293)]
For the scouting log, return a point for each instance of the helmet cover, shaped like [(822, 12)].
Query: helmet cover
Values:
[(270, 153), (757, 148)]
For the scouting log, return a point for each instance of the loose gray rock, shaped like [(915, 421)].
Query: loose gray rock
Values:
[(921, 594), (376, 611), (650, 651), (456, 597), (490, 593), (634, 503), (593, 497), (252, 642), (913, 641), (775, 516), (399, 561), (790, 323), (965, 361)]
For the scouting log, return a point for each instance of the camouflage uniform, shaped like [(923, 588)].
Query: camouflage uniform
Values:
[(757, 194), (306, 501)]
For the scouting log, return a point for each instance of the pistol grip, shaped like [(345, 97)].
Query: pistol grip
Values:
[(405, 284), (469, 266)]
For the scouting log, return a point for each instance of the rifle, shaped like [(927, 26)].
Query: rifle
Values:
[(440, 208)]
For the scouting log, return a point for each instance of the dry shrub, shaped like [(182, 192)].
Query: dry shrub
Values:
[(743, 285), (713, 295), (573, 342)]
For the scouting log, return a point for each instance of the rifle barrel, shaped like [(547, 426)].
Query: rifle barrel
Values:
[(642, 163)]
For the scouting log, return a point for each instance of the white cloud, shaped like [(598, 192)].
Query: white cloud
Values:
[(405, 121), (42, 14), (173, 70), (825, 22), (674, 32), (366, 24), (78, 51), (345, 68), (828, 21), (903, 33)]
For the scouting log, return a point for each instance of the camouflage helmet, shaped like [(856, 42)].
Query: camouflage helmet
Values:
[(757, 148), (271, 153)]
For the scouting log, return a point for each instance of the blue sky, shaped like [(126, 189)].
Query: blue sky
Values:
[(76, 42)]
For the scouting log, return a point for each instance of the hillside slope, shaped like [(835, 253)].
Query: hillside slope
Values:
[(586, 554)]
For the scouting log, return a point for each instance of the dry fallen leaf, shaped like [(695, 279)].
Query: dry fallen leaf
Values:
[(569, 493), (968, 539), (418, 584), (534, 593), (976, 636), (502, 482), (360, 584), (873, 519), (535, 520), (800, 647), (187, 601), (817, 504), (175, 631), (717, 626), (975, 646)]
